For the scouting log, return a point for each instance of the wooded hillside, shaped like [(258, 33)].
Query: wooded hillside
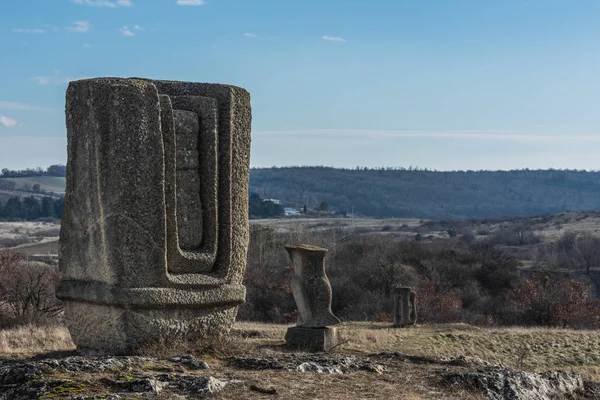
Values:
[(431, 194)]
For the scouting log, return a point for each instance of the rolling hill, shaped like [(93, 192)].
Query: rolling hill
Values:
[(54, 184), (405, 193)]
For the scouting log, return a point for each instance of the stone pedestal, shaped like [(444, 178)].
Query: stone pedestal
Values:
[(405, 307), (313, 339)]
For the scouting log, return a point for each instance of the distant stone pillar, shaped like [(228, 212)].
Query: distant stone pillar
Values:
[(405, 307), (155, 229), (312, 292)]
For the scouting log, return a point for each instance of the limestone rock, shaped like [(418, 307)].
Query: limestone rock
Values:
[(508, 384)]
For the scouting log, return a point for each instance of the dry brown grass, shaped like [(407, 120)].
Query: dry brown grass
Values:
[(535, 349), (32, 340)]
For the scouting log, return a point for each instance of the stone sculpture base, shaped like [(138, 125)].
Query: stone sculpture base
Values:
[(313, 339), (100, 329)]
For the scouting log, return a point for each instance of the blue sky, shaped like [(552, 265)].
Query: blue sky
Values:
[(458, 84)]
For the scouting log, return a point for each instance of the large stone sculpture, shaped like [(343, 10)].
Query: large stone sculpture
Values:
[(312, 293), (155, 230), (405, 307)]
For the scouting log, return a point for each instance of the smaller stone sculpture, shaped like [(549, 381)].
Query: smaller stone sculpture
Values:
[(312, 293), (405, 307)]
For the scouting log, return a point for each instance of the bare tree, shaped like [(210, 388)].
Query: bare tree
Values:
[(588, 249), (27, 289)]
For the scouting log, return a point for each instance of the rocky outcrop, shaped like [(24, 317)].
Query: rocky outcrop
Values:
[(509, 384)]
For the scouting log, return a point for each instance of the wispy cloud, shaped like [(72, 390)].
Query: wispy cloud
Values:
[(498, 135), (333, 38), (27, 30), (7, 122), (138, 28), (87, 45), (79, 27), (56, 80), (42, 80), (105, 3), (251, 35), (11, 105), (125, 31), (191, 2)]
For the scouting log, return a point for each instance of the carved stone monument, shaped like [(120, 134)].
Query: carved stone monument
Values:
[(312, 293), (405, 307), (155, 229)]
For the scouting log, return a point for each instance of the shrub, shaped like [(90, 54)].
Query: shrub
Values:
[(544, 300), (27, 290)]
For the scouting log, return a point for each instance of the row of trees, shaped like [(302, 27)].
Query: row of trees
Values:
[(259, 208), (53, 170), (31, 208)]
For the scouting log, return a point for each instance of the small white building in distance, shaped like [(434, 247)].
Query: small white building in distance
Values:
[(291, 211), (274, 201)]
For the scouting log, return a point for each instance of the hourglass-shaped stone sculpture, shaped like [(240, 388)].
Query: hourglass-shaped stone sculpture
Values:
[(312, 293), (405, 307)]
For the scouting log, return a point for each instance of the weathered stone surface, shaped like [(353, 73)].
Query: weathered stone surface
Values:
[(313, 339), (155, 230), (508, 384), (190, 362), (320, 363), (310, 286), (405, 307)]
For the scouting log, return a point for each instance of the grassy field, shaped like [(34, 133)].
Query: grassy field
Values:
[(49, 183), (530, 349), (37, 237), (533, 349), (548, 228)]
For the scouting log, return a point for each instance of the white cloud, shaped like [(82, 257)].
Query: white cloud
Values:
[(138, 28), (34, 31), (126, 32), (191, 2), (105, 3), (7, 122), (333, 38), (248, 34), (11, 105), (87, 45), (79, 27)]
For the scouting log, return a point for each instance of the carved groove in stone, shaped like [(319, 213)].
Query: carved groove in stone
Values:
[(194, 197)]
